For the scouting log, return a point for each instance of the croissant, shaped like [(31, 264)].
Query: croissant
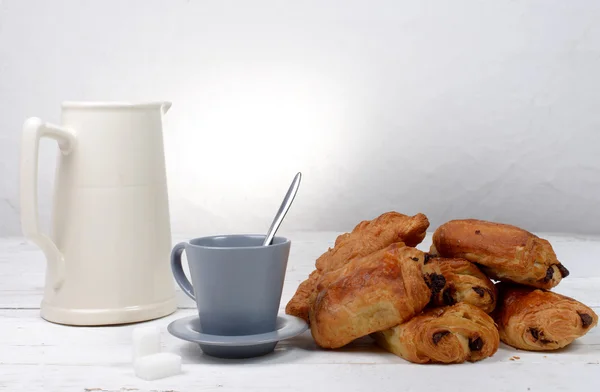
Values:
[(461, 281), (368, 294), (300, 303), (450, 334), (367, 237), (504, 252), (540, 320), (370, 236)]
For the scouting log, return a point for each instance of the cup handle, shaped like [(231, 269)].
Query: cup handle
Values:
[(178, 273)]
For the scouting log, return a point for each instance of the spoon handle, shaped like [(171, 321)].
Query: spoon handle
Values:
[(283, 209)]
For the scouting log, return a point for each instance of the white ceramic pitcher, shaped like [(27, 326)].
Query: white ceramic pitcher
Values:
[(109, 247)]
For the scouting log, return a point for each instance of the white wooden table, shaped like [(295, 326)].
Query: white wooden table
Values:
[(36, 355)]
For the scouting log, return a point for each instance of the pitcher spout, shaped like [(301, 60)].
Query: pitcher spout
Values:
[(164, 108)]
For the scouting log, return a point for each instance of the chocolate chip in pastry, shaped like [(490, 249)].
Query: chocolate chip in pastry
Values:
[(504, 252), (367, 295), (540, 320), (449, 334), (458, 280)]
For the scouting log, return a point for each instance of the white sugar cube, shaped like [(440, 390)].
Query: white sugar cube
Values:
[(155, 366), (146, 341)]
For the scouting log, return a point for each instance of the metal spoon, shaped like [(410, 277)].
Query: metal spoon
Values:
[(283, 209)]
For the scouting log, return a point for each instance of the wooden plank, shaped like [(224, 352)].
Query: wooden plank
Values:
[(503, 377), (27, 339), (39, 356), (22, 268)]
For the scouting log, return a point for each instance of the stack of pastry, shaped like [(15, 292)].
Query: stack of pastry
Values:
[(441, 306)]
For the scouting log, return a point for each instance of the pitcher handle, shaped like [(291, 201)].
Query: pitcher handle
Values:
[(178, 272), (33, 130)]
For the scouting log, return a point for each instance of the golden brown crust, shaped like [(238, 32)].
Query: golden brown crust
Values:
[(539, 320), (366, 237), (367, 295), (462, 282), (370, 236), (504, 252), (299, 304), (450, 334)]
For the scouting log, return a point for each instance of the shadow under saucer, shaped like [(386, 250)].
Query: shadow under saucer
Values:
[(237, 347)]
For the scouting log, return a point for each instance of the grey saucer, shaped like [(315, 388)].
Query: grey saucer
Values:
[(245, 346)]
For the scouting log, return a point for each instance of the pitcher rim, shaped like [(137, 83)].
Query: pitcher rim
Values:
[(114, 104)]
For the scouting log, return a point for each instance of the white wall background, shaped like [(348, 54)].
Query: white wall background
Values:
[(487, 109)]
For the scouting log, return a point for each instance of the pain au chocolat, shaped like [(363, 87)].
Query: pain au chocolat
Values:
[(504, 252), (449, 334), (460, 281), (540, 320), (367, 237), (368, 294)]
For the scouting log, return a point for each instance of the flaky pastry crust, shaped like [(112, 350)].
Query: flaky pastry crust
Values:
[(450, 334), (540, 320), (370, 236), (366, 237), (504, 252), (368, 294)]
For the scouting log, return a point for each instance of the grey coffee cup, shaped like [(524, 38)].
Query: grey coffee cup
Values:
[(236, 281)]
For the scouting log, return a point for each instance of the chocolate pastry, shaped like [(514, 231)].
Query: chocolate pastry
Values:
[(449, 334), (462, 282), (540, 320), (367, 237), (504, 252), (367, 295), (370, 236), (299, 304)]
